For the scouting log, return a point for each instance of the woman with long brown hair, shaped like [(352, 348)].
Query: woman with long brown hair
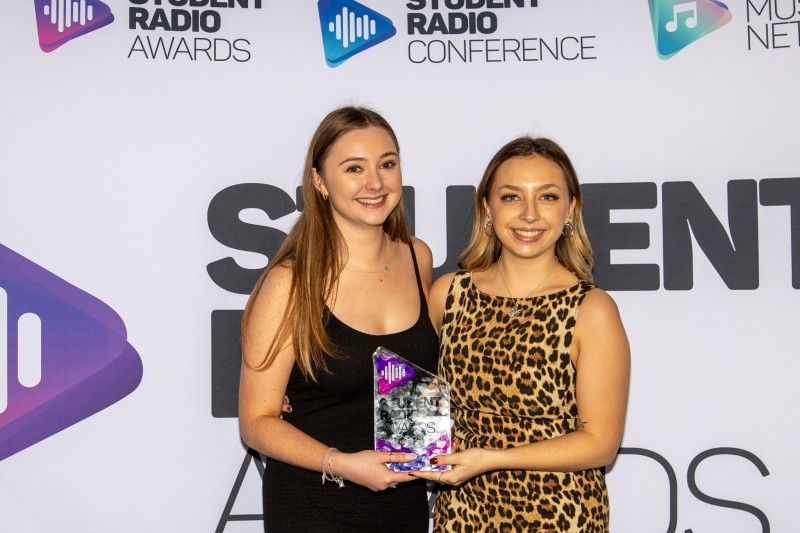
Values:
[(347, 279), (536, 355)]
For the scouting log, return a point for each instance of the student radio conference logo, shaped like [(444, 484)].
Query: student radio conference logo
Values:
[(349, 28), (678, 24), (64, 354)]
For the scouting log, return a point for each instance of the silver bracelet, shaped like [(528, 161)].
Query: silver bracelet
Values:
[(328, 476)]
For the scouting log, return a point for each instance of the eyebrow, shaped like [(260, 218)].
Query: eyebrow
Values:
[(360, 159), (538, 187)]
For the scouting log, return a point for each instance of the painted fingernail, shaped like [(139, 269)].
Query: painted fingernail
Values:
[(434, 460)]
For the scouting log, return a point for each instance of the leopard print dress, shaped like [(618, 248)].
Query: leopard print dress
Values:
[(513, 383)]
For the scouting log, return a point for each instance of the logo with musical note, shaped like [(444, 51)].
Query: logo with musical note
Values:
[(60, 21), (349, 28), (64, 354), (678, 24)]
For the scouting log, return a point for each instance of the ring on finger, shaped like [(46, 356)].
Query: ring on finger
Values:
[(441, 473), (393, 486)]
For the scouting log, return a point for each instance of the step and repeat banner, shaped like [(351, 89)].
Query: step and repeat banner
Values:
[(150, 155)]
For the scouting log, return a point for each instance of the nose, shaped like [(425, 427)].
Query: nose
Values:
[(529, 211), (374, 181)]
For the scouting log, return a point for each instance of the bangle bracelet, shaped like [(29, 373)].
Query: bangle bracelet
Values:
[(339, 480), (324, 475), (328, 476)]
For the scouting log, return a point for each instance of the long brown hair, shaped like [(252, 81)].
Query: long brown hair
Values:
[(483, 250), (315, 251)]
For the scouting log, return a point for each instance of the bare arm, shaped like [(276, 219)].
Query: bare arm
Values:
[(424, 262), (437, 298), (602, 355), (262, 392)]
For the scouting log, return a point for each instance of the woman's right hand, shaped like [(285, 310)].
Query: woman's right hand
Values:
[(368, 468)]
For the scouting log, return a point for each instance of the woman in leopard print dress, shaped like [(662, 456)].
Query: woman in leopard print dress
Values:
[(536, 355)]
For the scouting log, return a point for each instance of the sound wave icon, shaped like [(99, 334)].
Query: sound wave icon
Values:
[(60, 21), (29, 350), (65, 12), (392, 372), (348, 27)]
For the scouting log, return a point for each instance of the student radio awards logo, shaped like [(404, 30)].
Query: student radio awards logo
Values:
[(349, 28), (390, 371), (60, 21), (64, 354), (678, 24)]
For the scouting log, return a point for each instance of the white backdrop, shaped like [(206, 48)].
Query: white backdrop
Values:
[(110, 160)]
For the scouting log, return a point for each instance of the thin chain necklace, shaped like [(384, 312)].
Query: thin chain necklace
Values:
[(385, 266), (515, 311)]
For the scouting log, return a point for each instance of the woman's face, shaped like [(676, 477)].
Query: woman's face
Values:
[(361, 176), (529, 202)]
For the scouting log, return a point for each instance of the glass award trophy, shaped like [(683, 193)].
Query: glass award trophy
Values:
[(412, 411)]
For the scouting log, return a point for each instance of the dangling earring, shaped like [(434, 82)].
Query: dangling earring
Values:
[(488, 228), (569, 229)]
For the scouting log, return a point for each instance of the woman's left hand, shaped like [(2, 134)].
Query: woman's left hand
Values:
[(464, 465)]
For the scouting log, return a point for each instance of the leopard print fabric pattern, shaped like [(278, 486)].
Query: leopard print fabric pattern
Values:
[(513, 383)]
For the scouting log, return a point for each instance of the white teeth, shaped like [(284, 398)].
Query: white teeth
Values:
[(528, 234), (371, 201)]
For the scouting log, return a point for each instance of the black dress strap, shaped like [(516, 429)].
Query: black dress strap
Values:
[(423, 301)]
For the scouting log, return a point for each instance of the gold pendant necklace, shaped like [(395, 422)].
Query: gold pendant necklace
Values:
[(385, 266), (515, 310)]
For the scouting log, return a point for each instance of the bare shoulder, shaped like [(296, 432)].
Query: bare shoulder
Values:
[(442, 283), (598, 305), (424, 260), (274, 291), (266, 313), (423, 252), (438, 297), (599, 324)]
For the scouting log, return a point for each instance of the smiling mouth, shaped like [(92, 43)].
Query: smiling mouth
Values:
[(371, 201), (528, 234)]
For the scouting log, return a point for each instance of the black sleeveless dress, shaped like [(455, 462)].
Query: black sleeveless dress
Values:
[(338, 411)]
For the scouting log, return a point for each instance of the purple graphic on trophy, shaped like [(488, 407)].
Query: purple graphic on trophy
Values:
[(412, 411)]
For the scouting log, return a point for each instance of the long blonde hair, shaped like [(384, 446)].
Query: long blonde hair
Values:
[(483, 250), (315, 251)]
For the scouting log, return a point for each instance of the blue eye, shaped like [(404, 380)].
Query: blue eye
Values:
[(550, 197), (509, 197)]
